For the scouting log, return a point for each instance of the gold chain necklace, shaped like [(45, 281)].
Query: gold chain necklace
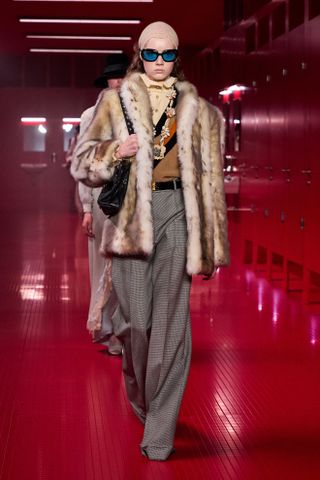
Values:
[(159, 150)]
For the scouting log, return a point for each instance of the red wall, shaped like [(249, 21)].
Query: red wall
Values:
[(52, 86), (278, 162), (52, 187)]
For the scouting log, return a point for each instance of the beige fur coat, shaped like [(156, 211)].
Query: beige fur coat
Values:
[(199, 148)]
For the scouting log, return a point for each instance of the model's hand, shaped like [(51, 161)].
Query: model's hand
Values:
[(87, 225), (129, 147)]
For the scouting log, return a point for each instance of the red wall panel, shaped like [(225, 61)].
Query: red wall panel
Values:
[(279, 159)]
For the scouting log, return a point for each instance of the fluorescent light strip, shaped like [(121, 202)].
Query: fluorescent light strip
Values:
[(33, 119), (71, 120), (71, 50), (75, 37), (79, 20), (87, 1)]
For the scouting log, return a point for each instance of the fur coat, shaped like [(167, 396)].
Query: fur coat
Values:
[(199, 127)]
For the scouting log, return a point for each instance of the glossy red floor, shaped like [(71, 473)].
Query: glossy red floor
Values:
[(252, 405)]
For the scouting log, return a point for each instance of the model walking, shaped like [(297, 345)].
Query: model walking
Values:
[(172, 223)]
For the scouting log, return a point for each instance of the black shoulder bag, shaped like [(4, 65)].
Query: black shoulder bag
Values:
[(113, 192)]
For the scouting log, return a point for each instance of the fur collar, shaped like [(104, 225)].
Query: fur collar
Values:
[(136, 99)]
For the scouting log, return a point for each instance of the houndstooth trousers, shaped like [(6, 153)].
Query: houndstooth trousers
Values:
[(153, 321)]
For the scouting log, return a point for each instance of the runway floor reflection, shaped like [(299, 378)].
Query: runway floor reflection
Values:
[(251, 408)]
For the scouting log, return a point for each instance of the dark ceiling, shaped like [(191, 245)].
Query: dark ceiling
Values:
[(198, 25)]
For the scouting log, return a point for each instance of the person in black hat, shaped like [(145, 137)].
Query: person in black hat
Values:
[(101, 307), (116, 67)]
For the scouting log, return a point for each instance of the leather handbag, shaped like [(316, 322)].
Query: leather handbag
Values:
[(113, 192)]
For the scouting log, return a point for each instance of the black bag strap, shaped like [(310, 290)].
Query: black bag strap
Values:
[(126, 116)]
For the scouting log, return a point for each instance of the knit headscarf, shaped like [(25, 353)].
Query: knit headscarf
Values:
[(158, 30)]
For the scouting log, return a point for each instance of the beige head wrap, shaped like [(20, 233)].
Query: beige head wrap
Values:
[(158, 30)]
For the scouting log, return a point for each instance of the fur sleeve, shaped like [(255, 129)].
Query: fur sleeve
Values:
[(222, 133), (86, 198), (85, 120), (221, 243), (92, 161)]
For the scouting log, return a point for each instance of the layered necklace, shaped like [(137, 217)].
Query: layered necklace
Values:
[(160, 148)]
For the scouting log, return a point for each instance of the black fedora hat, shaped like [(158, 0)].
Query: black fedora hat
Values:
[(116, 67)]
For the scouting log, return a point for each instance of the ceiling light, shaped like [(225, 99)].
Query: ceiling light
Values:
[(79, 20), (76, 37), (67, 127), (42, 129), (87, 1), (232, 89), (34, 120), (71, 119), (71, 50)]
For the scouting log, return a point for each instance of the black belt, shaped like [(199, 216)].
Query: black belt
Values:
[(172, 185)]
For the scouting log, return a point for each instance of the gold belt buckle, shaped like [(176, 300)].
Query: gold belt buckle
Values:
[(153, 186)]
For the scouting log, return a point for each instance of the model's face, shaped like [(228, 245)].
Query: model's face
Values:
[(115, 83), (158, 70)]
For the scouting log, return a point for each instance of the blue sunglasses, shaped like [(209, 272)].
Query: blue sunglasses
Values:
[(150, 55)]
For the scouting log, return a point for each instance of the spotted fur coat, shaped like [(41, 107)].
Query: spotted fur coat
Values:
[(199, 127)]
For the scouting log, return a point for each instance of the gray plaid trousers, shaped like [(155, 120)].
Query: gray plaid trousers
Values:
[(153, 321)]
